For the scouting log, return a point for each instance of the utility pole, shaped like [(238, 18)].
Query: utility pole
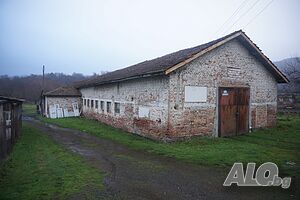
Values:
[(43, 85), (42, 101)]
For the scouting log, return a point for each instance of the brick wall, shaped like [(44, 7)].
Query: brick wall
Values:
[(230, 65), (150, 93)]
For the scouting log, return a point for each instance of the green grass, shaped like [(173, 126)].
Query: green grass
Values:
[(38, 168), (29, 109), (279, 145)]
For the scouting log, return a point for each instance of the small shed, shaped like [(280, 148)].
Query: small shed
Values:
[(10, 123), (62, 102)]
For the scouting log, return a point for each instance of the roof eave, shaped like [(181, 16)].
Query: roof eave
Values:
[(151, 74), (204, 51), (280, 77), (53, 95), (12, 99)]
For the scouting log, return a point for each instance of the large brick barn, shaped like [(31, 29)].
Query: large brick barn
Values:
[(222, 88)]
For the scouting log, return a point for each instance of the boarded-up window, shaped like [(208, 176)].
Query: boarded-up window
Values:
[(195, 94), (75, 109), (52, 111), (7, 118), (117, 107), (102, 106), (118, 88), (59, 113), (108, 107), (144, 112), (96, 104)]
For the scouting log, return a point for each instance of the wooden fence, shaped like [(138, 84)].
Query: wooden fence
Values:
[(289, 102), (10, 125)]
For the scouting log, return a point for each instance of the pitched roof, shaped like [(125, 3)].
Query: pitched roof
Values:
[(10, 99), (170, 62), (64, 91)]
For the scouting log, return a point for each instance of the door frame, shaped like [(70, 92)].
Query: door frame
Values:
[(219, 109)]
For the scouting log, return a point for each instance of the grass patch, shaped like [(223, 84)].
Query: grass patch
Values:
[(38, 168), (280, 145), (29, 109)]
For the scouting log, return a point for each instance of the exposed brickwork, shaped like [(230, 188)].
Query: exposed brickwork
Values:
[(253, 117), (261, 116), (118, 122), (272, 117), (193, 122), (230, 65)]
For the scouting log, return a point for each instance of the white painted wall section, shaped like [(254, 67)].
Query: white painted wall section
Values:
[(195, 94)]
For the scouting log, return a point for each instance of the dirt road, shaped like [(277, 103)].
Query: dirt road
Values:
[(139, 175)]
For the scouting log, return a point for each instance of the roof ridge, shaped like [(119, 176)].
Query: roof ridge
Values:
[(155, 65), (65, 90), (162, 65)]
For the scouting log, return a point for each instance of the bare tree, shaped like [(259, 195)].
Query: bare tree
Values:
[(30, 87), (293, 69)]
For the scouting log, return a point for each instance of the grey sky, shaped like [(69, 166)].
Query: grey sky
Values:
[(87, 36)]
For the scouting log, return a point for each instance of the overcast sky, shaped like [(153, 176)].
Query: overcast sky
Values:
[(87, 36)]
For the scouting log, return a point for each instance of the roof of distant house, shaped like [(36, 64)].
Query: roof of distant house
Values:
[(64, 91), (10, 99), (170, 62)]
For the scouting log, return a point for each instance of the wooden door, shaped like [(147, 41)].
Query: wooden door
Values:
[(243, 96), (233, 111)]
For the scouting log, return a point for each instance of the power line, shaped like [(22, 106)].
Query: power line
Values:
[(232, 16), (258, 14), (242, 16)]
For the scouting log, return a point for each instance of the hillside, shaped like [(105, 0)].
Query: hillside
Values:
[(30, 87), (291, 68)]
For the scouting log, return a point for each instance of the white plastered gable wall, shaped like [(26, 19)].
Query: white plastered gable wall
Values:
[(58, 107)]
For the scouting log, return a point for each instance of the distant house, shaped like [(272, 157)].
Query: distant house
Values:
[(61, 102), (10, 124), (222, 88)]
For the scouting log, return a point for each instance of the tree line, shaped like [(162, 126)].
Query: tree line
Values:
[(30, 87)]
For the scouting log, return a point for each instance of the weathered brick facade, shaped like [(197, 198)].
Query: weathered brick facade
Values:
[(230, 65), (169, 116), (149, 93)]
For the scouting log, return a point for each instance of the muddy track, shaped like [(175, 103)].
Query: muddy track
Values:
[(139, 175)]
